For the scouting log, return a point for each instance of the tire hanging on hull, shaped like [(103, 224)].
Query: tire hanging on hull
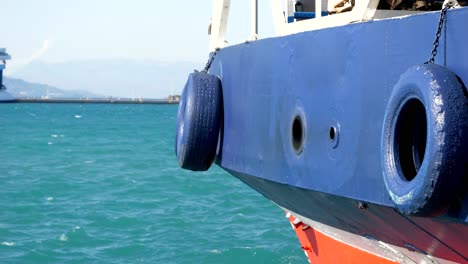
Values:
[(424, 140), (198, 121)]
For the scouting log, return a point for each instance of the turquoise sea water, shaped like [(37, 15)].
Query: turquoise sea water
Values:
[(100, 184)]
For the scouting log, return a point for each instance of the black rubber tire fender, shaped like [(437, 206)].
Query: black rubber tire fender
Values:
[(424, 140), (199, 121)]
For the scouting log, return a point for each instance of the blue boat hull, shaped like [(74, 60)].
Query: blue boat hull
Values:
[(335, 78)]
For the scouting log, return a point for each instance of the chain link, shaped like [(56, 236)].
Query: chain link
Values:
[(442, 18), (210, 61)]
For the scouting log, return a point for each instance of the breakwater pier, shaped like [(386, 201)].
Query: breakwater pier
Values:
[(96, 100)]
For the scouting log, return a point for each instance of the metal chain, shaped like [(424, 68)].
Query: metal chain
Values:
[(210, 61), (442, 18)]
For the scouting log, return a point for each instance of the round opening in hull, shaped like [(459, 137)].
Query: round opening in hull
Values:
[(297, 132), (332, 133)]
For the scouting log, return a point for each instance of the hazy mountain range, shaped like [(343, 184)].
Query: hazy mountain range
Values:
[(19, 88), (112, 77)]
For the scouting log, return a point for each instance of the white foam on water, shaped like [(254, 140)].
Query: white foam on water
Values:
[(49, 143), (50, 198), (54, 135), (76, 228), (8, 244), (63, 237), (215, 251), (77, 116)]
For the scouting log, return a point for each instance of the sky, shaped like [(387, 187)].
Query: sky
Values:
[(162, 30)]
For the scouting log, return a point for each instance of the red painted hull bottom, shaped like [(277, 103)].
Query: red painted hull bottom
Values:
[(324, 244)]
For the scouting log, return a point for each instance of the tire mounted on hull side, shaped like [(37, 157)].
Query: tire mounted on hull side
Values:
[(424, 141), (198, 121)]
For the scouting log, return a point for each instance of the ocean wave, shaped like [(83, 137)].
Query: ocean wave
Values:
[(111, 192)]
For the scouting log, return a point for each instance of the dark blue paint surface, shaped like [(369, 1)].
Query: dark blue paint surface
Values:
[(339, 77)]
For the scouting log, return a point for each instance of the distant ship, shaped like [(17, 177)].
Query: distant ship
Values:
[(353, 119), (4, 95)]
